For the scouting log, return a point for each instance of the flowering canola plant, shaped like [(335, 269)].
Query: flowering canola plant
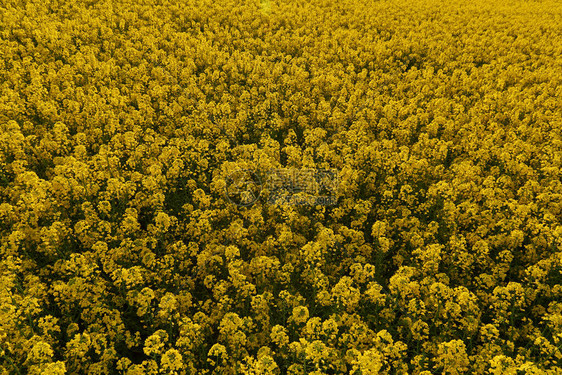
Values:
[(121, 122)]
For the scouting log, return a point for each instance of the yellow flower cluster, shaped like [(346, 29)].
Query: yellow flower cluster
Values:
[(123, 122)]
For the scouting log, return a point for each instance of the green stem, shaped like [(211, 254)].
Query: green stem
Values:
[(12, 364)]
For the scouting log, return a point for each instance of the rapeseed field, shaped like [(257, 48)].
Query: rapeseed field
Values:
[(280, 187)]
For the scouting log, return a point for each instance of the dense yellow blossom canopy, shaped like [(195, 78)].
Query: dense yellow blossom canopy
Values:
[(122, 121)]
